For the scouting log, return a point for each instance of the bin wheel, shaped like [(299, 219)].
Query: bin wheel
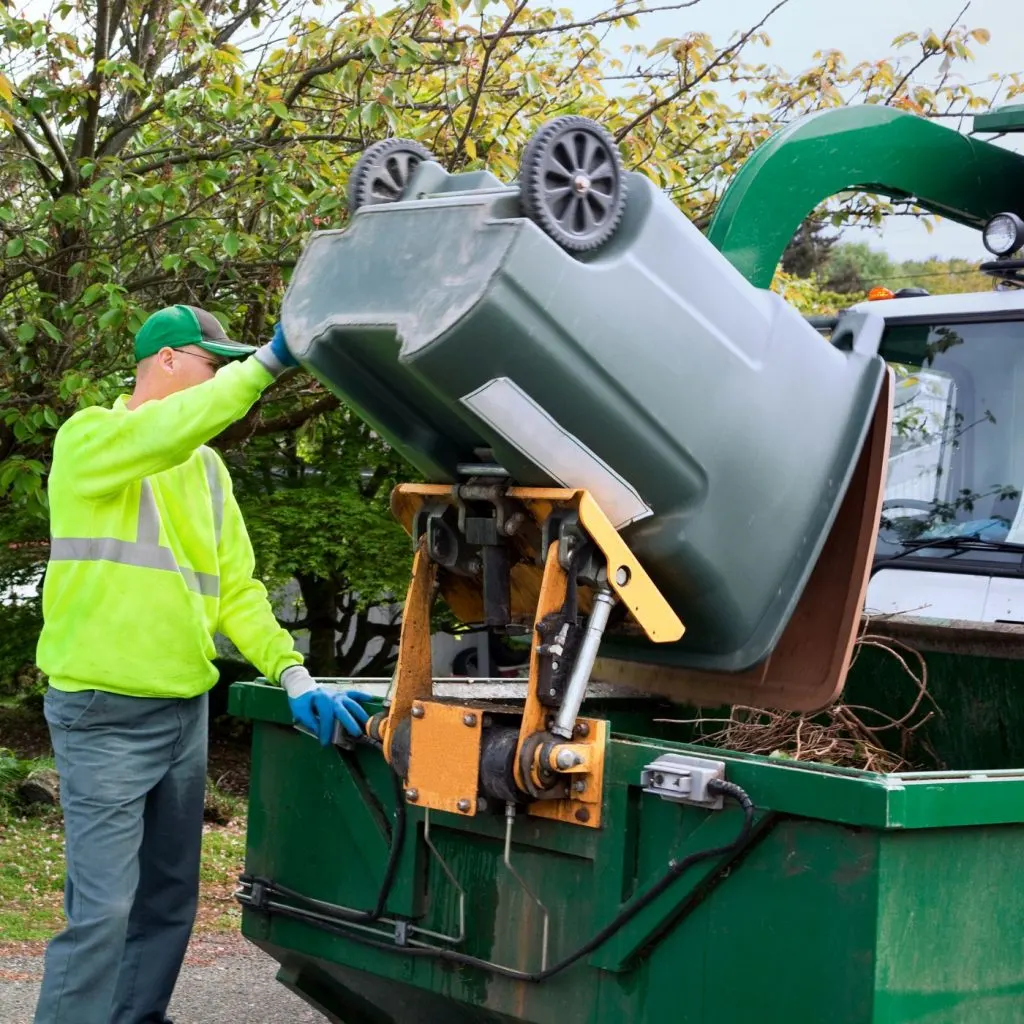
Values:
[(571, 183), (382, 173)]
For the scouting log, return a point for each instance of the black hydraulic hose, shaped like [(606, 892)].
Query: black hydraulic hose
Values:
[(570, 605), (390, 869), (675, 870)]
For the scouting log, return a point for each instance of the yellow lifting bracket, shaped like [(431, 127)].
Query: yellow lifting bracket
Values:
[(558, 760), (626, 575)]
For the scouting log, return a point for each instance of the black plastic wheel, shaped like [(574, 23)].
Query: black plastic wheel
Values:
[(382, 173), (571, 183)]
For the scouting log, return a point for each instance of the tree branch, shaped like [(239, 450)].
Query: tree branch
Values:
[(315, 72), (485, 63), (526, 33), (85, 139), (928, 54), (237, 148), (56, 146), (725, 55), (48, 177), (297, 417)]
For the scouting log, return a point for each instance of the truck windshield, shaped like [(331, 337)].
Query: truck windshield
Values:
[(956, 465)]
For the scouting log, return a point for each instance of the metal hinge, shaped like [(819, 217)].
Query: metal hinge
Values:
[(684, 779)]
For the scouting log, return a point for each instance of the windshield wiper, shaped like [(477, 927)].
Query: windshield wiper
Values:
[(955, 546)]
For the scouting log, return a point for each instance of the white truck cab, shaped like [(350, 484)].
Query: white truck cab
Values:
[(951, 537)]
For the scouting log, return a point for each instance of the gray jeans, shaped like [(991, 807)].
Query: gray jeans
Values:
[(133, 775)]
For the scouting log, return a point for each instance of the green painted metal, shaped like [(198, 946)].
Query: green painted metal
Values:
[(978, 704), (1008, 118), (867, 149), (861, 898)]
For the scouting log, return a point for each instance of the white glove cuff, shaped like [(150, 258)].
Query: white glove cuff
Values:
[(265, 356), (296, 681)]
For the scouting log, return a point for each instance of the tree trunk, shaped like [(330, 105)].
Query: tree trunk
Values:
[(320, 597)]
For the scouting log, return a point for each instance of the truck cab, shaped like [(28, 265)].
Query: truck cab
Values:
[(951, 535)]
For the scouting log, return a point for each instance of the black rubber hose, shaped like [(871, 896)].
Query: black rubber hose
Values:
[(676, 869), (390, 869)]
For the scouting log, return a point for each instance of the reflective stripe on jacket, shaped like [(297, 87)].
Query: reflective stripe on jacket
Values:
[(149, 555)]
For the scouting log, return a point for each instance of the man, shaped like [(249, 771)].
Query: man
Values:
[(149, 558)]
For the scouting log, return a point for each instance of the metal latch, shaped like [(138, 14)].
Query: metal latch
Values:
[(684, 779)]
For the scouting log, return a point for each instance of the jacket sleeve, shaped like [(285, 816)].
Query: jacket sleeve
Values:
[(110, 452), (246, 616)]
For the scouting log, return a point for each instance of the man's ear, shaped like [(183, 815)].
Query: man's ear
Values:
[(165, 359)]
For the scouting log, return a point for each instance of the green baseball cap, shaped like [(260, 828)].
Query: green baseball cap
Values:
[(177, 326)]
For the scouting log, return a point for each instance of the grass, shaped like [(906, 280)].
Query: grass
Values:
[(32, 875)]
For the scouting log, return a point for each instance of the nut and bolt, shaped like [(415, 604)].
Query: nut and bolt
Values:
[(568, 759), (464, 805), (513, 523), (469, 720), (581, 729), (552, 692), (579, 785), (583, 815), (412, 795), (622, 575), (417, 711)]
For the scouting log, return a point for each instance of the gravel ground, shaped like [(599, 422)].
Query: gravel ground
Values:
[(225, 980)]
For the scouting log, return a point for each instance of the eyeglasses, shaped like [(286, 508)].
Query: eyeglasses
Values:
[(215, 363)]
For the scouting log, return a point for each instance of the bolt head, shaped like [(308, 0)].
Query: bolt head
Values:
[(552, 692), (567, 759), (464, 806), (583, 815), (581, 183), (579, 785), (622, 575), (412, 795), (469, 720), (417, 711), (581, 729)]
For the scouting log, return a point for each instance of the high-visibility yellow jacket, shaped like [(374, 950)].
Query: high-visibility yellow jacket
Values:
[(149, 556)]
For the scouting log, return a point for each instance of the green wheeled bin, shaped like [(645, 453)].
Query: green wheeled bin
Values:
[(583, 332)]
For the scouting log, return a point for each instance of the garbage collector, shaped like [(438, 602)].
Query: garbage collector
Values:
[(149, 558)]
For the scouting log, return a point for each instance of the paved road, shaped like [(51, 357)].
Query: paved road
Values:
[(224, 981)]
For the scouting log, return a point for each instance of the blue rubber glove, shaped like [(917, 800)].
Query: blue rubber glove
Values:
[(317, 709), (279, 348)]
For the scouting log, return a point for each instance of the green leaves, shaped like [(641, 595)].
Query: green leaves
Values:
[(200, 259), (15, 247)]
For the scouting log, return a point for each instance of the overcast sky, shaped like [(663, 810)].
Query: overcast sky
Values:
[(863, 30)]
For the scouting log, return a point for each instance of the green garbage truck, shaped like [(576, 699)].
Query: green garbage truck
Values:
[(696, 510)]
